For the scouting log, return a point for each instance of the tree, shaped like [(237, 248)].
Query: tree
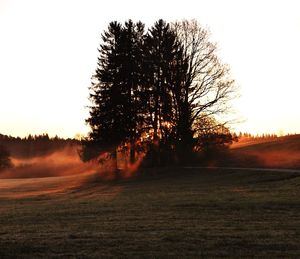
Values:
[(4, 158), (207, 86), (132, 74), (160, 86), (212, 136), (107, 126), (115, 114), (161, 50)]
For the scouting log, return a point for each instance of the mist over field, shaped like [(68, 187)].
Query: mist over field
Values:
[(282, 152), (66, 161), (61, 162)]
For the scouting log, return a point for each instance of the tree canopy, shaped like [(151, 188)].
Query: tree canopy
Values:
[(156, 90)]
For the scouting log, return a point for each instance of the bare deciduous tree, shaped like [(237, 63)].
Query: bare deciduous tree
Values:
[(207, 87)]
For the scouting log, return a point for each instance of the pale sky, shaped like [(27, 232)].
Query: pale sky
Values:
[(48, 53)]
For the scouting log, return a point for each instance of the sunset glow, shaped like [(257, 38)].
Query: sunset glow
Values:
[(48, 53)]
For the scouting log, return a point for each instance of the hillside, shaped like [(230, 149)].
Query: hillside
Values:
[(282, 152), (286, 142)]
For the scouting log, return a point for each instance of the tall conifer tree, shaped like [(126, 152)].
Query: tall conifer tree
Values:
[(106, 112)]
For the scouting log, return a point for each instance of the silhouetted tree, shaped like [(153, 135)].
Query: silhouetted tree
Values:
[(4, 158), (211, 135), (115, 116), (159, 86), (132, 79), (162, 51), (207, 85), (106, 122)]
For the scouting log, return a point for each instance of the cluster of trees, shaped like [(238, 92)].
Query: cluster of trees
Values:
[(157, 90), (32, 145)]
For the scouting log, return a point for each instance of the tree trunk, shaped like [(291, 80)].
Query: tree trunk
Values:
[(132, 152), (115, 162)]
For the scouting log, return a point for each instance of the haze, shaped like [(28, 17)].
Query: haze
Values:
[(48, 53)]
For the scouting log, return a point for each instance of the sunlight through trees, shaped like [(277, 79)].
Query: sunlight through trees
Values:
[(152, 91)]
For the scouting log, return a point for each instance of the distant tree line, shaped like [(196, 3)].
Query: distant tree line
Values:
[(249, 136), (157, 91), (32, 145)]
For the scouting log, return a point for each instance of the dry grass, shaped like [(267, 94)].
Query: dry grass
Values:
[(170, 213)]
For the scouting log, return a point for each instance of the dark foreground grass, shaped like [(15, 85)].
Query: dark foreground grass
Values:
[(178, 213)]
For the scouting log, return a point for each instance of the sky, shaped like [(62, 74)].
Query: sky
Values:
[(48, 53)]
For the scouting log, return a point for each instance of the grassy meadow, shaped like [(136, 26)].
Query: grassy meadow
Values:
[(170, 212)]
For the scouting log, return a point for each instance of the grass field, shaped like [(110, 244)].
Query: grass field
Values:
[(168, 213)]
